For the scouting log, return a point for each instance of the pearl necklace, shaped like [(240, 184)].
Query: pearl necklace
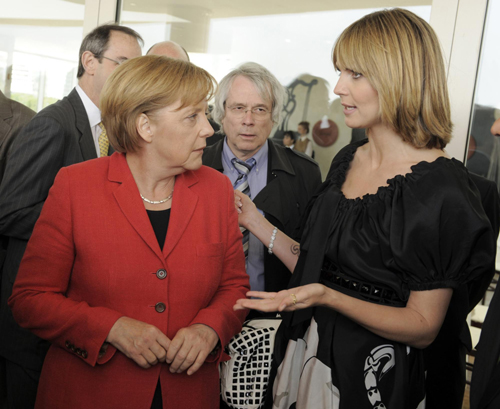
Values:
[(155, 202)]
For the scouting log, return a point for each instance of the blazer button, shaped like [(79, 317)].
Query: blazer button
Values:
[(68, 344), (161, 274), (84, 354), (78, 351), (160, 307)]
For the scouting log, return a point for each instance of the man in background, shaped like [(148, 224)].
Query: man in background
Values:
[(176, 51), (289, 139), (169, 49), (13, 116), (67, 132), (248, 104)]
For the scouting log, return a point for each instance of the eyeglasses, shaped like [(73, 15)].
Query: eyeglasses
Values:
[(115, 61), (239, 112)]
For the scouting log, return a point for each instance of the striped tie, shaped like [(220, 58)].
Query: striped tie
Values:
[(103, 141), (241, 184)]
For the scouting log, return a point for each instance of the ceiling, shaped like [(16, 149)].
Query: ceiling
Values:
[(241, 8), (171, 11)]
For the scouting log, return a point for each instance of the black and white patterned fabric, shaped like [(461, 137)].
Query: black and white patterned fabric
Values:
[(245, 377)]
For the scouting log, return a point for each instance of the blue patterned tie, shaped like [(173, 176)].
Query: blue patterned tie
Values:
[(241, 184)]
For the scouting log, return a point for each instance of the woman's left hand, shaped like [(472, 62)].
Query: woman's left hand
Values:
[(247, 211), (298, 298), (190, 347)]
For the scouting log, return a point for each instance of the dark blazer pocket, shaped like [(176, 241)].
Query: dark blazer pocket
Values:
[(209, 250)]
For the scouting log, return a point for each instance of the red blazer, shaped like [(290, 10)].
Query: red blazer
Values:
[(93, 258)]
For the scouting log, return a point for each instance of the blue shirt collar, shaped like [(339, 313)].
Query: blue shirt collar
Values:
[(260, 157)]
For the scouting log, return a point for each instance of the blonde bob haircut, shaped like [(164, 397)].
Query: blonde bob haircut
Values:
[(145, 85), (399, 53)]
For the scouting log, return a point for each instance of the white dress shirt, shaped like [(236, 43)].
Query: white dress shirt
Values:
[(94, 115)]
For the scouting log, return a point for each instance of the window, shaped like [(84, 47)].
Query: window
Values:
[(39, 47), (483, 156)]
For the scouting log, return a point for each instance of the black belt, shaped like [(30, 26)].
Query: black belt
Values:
[(376, 293)]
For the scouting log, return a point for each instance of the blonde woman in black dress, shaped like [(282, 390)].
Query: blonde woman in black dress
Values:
[(394, 229)]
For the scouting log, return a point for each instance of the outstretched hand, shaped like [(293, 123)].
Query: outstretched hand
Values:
[(298, 298)]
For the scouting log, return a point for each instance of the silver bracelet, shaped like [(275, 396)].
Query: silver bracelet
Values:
[(271, 243)]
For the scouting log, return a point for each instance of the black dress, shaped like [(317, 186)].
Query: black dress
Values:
[(423, 231), (159, 221)]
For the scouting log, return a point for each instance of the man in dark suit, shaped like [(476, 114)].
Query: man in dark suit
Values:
[(13, 116), (62, 134), (280, 181)]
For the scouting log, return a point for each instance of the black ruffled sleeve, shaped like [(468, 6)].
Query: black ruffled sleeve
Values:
[(440, 234)]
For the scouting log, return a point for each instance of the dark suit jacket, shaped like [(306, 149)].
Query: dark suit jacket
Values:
[(57, 136), (98, 259), (291, 181), (13, 116)]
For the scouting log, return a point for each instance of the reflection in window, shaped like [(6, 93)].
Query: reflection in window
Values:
[(483, 156), (39, 43)]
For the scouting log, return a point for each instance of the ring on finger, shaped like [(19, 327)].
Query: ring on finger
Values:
[(294, 299)]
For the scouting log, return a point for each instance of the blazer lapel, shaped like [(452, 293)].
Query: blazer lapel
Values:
[(86, 141), (270, 198), (129, 200), (212, 156), (184, 203)]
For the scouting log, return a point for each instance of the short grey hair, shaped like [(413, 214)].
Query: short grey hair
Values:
[(267, 85)]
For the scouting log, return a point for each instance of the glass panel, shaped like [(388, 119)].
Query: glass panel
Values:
[(294, 42), (39, 43), (483, 156)]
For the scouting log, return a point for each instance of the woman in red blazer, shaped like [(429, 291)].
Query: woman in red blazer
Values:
[(136, 260)]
